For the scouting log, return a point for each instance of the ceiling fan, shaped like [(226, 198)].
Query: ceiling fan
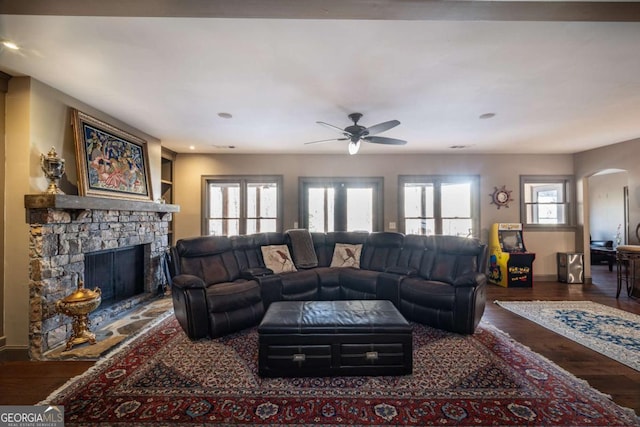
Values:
[(357, 133)]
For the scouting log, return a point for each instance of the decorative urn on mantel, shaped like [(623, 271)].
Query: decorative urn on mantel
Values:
[(53, 168), (78, 305)]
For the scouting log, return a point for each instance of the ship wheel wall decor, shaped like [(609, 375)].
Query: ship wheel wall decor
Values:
[(501, 196)]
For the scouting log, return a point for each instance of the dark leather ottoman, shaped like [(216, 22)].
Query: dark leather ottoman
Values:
[(329, 338)]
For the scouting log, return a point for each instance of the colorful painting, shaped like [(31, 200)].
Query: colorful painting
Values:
[(111, 162)]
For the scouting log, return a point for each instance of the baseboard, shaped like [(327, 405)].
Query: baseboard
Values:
[(13, 353), (545, 278), (554, 278)]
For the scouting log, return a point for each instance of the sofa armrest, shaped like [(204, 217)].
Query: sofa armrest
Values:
[(470, 280), (187, 281), (252, 273), (270, 288), (607, 244), (404, 271), (190, 305)]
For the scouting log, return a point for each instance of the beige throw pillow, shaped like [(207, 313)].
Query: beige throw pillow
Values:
[(277, 258), (345, 255)]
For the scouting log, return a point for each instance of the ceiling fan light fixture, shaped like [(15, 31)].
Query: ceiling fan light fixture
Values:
[(354, 147), (10, 45), (357, 133)]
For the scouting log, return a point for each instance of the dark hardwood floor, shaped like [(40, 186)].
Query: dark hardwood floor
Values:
[(610, 377), (27, 382)]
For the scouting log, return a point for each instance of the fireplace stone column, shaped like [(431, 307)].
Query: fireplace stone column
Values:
[(62, 230)]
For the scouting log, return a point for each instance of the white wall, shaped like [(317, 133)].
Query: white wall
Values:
[(606, 205), (494, 171)]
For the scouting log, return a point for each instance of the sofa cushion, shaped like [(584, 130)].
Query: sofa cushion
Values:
[(358, 284), (345, 255), (328, 282), (299, 285), (448, 257), (426, 263), (427, 293), (277, 258), (196, 247), (233, 295), (212, 269), (448, 267), (208, 257), (413, 249), (246, 249), (382, 250)]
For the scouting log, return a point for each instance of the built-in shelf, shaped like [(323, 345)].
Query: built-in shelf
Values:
[(166, 181)]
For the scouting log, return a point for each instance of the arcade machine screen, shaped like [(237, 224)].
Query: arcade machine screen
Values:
[(511, 241)]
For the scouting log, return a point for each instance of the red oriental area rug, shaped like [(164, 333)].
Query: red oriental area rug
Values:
[(163, 378)]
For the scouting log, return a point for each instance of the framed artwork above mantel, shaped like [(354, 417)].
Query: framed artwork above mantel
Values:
[(111, 162)]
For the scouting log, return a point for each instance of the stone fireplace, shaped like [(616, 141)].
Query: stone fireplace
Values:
[(119, 273), (65, 232)]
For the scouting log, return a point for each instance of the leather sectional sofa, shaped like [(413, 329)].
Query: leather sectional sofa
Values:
[(221, 284)]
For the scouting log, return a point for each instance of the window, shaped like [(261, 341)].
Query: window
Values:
[(341, 204), (439, 205), (241, 205), (546, 201)]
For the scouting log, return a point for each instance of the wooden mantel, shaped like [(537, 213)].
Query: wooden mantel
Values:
[(64, 201)]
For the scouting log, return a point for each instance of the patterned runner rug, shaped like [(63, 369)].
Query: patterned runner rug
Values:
[(607, 330), (163, 378)]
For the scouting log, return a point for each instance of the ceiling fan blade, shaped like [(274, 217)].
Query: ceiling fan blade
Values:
[(383, 140), (381, 127), (327, 140), (333, 127)]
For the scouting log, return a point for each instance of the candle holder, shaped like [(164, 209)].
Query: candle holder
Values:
[(78, 305), (53, 168)]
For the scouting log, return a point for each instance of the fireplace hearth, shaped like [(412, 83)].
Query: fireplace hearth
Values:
[(91, 238)]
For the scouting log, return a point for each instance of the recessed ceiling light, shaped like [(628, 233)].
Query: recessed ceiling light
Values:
[(487, 115), (225, 115), (10, 45), (191, 147)]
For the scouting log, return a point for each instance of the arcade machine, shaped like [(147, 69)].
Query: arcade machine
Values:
[(510, 265)]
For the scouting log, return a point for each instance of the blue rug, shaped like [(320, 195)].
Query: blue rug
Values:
[(607, 330)]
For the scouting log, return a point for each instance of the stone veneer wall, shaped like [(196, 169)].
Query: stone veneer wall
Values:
[(59, 239)]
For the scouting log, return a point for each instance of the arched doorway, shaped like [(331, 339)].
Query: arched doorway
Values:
[(608, 218)]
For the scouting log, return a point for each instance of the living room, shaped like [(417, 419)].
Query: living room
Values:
[(37, 115)]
